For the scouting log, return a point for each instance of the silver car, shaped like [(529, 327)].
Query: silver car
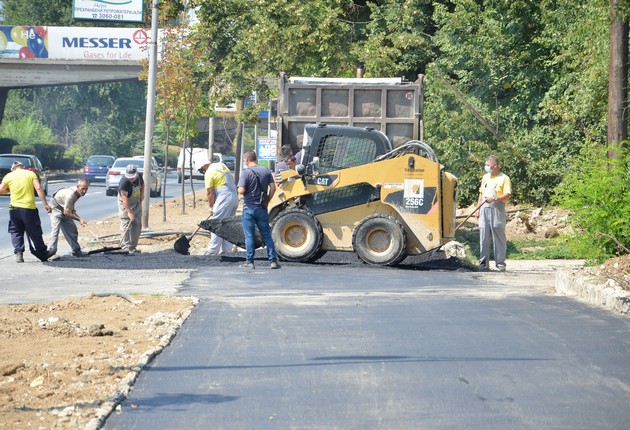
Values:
[(117, 171)]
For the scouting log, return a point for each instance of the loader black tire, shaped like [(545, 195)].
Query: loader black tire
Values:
[(297, 236), (380, 240)]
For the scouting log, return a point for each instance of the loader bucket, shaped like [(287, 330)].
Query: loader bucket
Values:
[(230, 229)]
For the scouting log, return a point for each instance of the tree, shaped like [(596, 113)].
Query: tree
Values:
[(534, 69), (179, 88), (26, 131), (617, 80)]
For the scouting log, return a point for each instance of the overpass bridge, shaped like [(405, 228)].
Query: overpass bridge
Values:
[(18, 73), (38, 72)]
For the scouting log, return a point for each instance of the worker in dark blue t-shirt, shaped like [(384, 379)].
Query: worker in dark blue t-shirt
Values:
[(256, 182)]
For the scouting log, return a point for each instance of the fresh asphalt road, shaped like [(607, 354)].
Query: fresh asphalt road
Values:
[(358, 347), (93, 206)]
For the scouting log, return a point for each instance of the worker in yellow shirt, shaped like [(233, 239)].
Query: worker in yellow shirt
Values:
[(222, 200), (495, 192), (23, 214)]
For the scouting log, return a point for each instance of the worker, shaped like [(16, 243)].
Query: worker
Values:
[(64, 215), (494, 193), (257, 187), (23, 213), (281, 165), (130, 197), (291, 162), (222, 200)]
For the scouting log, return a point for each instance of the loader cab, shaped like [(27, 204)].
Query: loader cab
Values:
[(329, 148)]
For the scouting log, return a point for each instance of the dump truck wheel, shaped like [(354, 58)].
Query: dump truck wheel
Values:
[(297, 236), (380, 240)]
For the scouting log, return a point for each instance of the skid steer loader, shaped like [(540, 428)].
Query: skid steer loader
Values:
[(354, 193)]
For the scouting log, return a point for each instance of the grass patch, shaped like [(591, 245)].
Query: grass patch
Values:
[(521, 249), (541, 249)]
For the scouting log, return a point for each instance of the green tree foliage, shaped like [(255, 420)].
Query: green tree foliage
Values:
[(597, 190), (536, 70), (393, 37), (20, 12), (97, 119), (243, 41), (26, 131)]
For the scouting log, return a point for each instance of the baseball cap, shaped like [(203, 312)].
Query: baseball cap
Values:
[(131, 172), (205, 163), (15, 164)]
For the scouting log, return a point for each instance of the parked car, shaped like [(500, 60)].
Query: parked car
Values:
[(117, 171), (30, 162), (96, 167), (230, 162)]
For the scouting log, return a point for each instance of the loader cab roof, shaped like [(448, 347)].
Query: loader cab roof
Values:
[(333, 147)]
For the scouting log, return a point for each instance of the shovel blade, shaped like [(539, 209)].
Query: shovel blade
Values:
[(230, 229), (182, 245)]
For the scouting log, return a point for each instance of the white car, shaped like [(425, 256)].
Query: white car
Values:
[(117, 171)]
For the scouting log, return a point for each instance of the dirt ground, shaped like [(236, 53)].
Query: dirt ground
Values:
[(60, 361)]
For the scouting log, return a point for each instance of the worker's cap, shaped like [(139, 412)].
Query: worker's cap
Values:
[(131, 172), (16, 164), (204, 166)]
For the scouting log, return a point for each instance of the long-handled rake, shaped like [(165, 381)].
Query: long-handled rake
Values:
[(104, 248), (471, 214), (111, 248)]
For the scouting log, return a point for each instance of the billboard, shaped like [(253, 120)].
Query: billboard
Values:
[(73, 43), (108, 10)]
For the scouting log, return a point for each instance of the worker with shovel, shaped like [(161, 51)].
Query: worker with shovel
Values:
[(494, 193), (222, 199), (130, 196), (63, 216)]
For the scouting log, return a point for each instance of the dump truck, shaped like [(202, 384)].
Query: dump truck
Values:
[(355, 192), (391, 105)]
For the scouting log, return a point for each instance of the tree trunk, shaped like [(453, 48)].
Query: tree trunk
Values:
[(239, 143), (617, 82)]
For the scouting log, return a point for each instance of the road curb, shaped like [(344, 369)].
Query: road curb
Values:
[(126, 385), (65, 176), (592, 289)]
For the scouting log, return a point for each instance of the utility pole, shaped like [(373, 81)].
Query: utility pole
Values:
[(150, 117), (617, 82)]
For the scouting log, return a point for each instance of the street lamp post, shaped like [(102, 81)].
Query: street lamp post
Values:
[(150, 117)]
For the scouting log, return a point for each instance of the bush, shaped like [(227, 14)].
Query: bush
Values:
[(597, 191), (26, 131)]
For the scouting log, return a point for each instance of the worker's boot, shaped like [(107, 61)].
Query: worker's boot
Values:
[(19, 257)]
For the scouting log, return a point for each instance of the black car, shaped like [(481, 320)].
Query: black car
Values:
[(30, 162)]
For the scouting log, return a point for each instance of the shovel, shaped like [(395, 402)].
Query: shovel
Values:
[(471, 214), (182, 244)]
